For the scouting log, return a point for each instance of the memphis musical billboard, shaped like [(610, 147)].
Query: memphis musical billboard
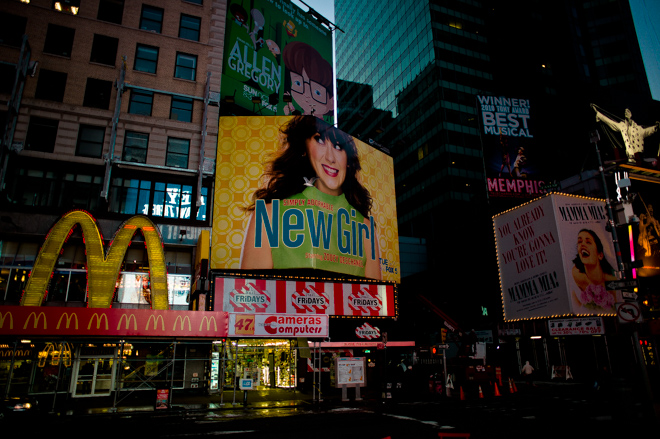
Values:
[(278, 59), (296, 193), (511, 156)]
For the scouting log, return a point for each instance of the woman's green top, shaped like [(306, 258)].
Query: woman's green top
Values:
[(321, 231)]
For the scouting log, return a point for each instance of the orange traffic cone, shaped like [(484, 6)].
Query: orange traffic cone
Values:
[(515, 389), (497, 391), (481, 394), (462, 394)]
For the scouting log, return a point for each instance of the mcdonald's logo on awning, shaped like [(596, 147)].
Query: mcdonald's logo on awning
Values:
[(69, 318), (99, 318), (37, 318), (181, 322), (3, 317), (156, 319), (208, 320), (127, 322)]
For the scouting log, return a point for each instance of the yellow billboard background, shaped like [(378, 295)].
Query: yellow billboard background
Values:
[(244, 146)]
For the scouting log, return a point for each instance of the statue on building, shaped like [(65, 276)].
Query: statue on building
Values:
[(633, 134)]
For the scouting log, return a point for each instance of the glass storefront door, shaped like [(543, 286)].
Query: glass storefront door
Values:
[(269, 363), (94, 377)]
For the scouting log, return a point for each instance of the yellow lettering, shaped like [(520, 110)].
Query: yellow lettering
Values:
[(73, 316), (3, 317)]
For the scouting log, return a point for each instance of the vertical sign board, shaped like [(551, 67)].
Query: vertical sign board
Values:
[(268, 44), (350, 371), (555, 257), (511, 156)]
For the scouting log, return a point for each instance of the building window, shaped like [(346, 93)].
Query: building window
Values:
[(182, 109), (59, 40), (146, 58), (135, 147), (172, 200), (189, 27), (157, 198), (12, 29), (41, 134), (130, 196), (53, 188), (141, 102), (177, 152), (90, 141), (67, 6), (7, 77), (97, 94), (111, 11), (186, 66), (104, 50), (196, 2), (151, 19), (50, 85)]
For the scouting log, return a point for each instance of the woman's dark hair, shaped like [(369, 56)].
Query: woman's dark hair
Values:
[(604, 264), (285, 174)]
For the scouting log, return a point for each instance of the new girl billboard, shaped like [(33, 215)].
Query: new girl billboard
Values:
[(555, 257), (276, 52), (511, 157), (297, 193)]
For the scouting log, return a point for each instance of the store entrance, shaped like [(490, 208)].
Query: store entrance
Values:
[(271, 363), (93, 377)]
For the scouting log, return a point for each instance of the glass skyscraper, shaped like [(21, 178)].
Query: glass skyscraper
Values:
[(409, 73)]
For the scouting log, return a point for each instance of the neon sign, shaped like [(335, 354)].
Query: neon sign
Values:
[(102, 270)]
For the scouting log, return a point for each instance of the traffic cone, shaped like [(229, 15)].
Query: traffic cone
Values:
[(515, 389), (497, 391), (462, 394), (481, 394)]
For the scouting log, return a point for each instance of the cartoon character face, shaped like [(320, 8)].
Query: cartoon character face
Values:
[(290, 28), (311, 96), (273, 47)]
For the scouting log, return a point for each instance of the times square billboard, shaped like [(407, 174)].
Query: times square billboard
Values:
[(512, 159), (556, 258), (278, 59), (293, 192)]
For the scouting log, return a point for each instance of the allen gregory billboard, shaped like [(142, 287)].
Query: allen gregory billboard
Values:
[(278, 59), (293, 192)]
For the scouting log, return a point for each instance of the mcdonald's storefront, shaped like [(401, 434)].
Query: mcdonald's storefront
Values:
[(85, 352)]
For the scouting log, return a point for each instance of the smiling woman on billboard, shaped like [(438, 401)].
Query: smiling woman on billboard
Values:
[(312, 210), (591, 271)]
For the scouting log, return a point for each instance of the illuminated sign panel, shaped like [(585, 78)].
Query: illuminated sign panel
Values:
[(136, 288), (261, 296), (102, 270), (268, 44), (555, 258), (511, 156), (344, 221), (63, 321), (278, 325)]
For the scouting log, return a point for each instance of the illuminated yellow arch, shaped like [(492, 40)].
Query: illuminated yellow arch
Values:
[(102, 271)]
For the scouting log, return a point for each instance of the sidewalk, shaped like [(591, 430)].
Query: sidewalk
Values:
[(267, 398)]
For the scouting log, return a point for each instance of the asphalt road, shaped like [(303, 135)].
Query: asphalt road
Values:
[(533, 413)]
